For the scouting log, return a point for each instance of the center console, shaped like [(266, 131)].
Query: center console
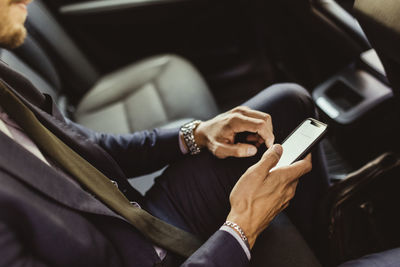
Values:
[(358, 105), (349, 95)]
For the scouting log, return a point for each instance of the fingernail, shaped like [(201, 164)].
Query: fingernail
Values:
[(251, 151), (270, 143), (278, 149)]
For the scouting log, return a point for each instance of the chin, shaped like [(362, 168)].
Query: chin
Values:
[(14, 38), (12, 31)]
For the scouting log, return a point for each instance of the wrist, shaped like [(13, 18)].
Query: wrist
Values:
[(200, 135), (187, 132), (245, 227), (182, 144), (239, 232)]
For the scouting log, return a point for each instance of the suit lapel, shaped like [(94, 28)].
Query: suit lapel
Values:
[(47, 112), (84, 147), (25, 87), (46, 179), (81, 143)]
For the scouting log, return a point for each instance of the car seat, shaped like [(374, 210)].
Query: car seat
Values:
[(155, 92)]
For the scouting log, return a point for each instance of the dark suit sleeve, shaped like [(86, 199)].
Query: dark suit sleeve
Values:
[(12, 251), (220, 250), (138, 153)]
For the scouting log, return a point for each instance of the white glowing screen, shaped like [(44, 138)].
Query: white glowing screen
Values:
[(299, 141)]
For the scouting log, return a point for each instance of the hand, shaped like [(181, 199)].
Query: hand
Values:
[(218, 134), (260, 195)]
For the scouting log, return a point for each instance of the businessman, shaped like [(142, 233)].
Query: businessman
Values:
[(65, 199)]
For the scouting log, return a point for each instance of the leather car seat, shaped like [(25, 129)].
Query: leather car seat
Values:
[(155, 92), (146, 95)]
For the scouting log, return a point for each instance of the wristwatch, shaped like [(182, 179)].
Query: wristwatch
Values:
[(187, 132)]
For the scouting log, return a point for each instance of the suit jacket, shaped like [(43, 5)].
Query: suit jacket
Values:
[(47, 220)]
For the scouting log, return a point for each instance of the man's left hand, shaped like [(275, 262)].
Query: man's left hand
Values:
[(218, 134)]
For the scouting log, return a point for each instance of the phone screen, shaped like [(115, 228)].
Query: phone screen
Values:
[(300, 141)]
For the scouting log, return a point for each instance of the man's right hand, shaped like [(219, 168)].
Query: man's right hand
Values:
[(260, 195)]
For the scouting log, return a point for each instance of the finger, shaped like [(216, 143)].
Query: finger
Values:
[(299, 168), (305, 165), (270, 158), (283, 207), (238, 150), (256, 114), (242, 123), (254, 138), (267, 132)]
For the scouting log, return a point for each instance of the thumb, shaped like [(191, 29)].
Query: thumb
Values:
[(238, 150), (271, 157)]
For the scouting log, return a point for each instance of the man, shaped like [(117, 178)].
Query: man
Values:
[(59, 208)]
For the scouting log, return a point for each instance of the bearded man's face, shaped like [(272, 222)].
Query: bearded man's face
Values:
[(12, 18)]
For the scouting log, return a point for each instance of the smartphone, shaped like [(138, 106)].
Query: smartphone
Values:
[(300, 142)]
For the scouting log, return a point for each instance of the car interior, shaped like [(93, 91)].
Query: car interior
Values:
[(121, 66)]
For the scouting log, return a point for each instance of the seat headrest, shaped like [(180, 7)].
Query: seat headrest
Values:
[(380, 20), (74, 68)]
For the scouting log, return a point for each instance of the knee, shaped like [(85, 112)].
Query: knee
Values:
[(288, 104), (295, 97), (290, 89), (284, 101)]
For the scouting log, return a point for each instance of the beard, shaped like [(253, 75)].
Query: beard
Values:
[(12, 29), (14, 38)]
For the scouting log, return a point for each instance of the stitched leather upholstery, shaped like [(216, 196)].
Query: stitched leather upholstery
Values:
[(146, 95)]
